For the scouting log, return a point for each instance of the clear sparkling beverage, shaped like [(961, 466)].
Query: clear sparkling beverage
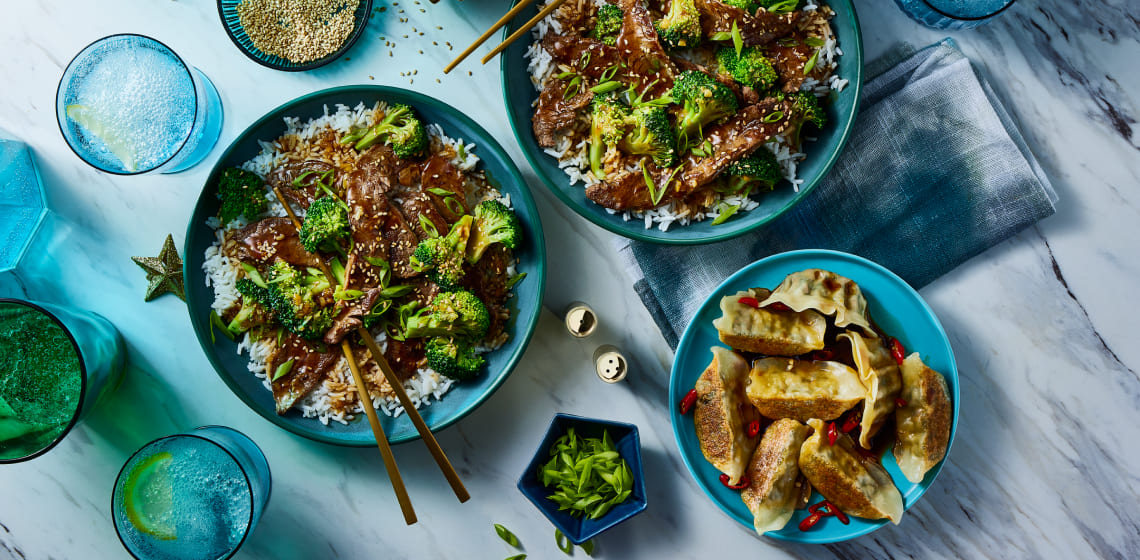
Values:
[(190, 496), (128, 104)]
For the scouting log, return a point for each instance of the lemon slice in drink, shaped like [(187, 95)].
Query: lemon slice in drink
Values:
[(106, 131), (148, 497)]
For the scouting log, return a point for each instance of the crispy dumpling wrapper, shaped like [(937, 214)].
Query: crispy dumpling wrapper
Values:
[(826, 292), (923, 425), (772, 493), (722, 414), (802, 389), (880, 375), (858, 486), (765, 331)]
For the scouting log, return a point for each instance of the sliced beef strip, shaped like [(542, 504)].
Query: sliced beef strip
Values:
[(376, 167), (267, 240), (626, 191), (367, 217), (423, 290), (757, 29), (440, 173), (283, 176), (402, 242), (554, 113), (732, 140), (571, 50), (404, 356), (645, 57), (488, 280), (789, 63), (417, 207), (349, 317), (310, 365)]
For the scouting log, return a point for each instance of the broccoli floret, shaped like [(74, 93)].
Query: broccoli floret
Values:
[(746, 5), (399, 129), (607, 24), (291, 297), (681, 26), (442, 257), (703, 100), (326, 223), (652, 135), (750, 68), (805, 110), (758, 171), (608, 123), (451, 314), (242, 193), (453, 358), (252, 306), (494, 223)]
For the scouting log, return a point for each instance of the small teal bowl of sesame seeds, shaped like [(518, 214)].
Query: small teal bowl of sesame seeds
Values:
[(294, 36)]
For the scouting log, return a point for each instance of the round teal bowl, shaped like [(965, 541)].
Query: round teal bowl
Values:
[(842, 107), (894, 306), (463, 397), (227, 11)]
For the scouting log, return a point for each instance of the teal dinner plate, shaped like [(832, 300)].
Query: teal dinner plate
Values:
[(463, 397), (842, 107), (893, 305)]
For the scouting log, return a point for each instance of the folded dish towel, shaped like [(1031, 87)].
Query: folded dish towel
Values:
[(934, 172)]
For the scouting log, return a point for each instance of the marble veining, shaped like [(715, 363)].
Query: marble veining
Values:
[(1043, 326)]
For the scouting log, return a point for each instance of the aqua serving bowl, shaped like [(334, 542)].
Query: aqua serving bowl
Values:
[(842, 107), (227, 11), (894, 306), (628, 444), (463, 397)]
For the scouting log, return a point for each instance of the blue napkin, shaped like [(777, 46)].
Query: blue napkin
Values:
[(934, 173)]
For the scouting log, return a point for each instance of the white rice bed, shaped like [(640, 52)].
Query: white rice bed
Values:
[(574, 159), (222, 273)]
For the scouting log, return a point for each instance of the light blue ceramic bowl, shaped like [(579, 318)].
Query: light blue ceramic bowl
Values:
[(463, 397), (841, 108), (893, 304)]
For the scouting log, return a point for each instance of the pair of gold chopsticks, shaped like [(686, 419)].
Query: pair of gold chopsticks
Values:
[(398, 388), (498, 24)]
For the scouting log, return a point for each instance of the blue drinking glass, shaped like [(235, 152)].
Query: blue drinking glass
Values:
[(953, 14), (195, 495), (127, 104), (22, 202), (56, 364)]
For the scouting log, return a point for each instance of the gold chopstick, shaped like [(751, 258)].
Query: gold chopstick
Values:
[(486, 35), (525, 27)]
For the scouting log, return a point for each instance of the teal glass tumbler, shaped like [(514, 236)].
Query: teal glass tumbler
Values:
[(56, 364), (196, 495), (954, 14)]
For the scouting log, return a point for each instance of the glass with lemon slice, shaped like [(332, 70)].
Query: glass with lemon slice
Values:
[(127, 104), (195, 495)]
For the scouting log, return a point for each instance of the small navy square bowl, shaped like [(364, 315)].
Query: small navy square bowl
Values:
[(580, 529)]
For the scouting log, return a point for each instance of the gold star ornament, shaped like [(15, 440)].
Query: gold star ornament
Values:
[(164, 272)]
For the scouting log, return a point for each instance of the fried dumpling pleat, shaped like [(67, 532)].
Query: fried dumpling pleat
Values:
[(772, 494), (766, 331), (722, 414), (923, 425), (858, 486), (880, 375), (802, 389), (826, 292)]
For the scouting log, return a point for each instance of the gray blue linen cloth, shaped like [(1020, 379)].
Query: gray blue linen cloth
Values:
[(934, 173)]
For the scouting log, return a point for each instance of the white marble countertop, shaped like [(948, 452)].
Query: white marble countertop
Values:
[(1043, 326)]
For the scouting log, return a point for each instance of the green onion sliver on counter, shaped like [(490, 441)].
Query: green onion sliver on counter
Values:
[(588, 475)]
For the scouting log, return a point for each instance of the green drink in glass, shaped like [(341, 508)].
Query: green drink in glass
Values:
[(55, 364)]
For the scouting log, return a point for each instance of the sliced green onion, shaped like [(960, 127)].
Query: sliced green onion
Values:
[(440, 192), (810, 65), (395, 291), (254, 275), (299, 181), (506, 535), (721, 36), (461, 151), (282, 370), (772, 117), (606, 87), (610, 72), (572, 88), (585, 60), (564, 75), (338, 270), (514, 280), (454, 205), (347, 295), (814, 42), (726, 212), (783, 7), (517, 557), (588, 547), (563, 543), (428, 226), (737, 38)]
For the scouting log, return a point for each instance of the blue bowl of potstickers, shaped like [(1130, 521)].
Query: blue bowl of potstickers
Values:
[(814, 396)]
